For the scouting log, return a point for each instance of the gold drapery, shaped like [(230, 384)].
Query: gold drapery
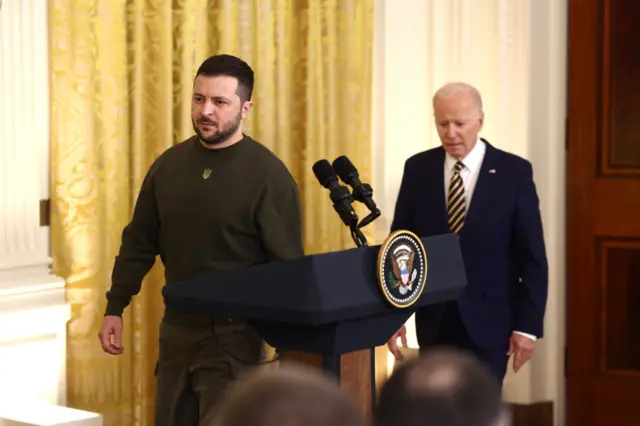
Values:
[(122, 73)]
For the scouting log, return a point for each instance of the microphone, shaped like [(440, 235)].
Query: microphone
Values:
[(362, 192), (340, 195)]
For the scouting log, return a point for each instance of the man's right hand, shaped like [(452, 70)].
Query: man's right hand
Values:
[(393, 343), (111, 326)]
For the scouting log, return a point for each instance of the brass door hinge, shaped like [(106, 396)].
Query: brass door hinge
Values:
[(45, 212)]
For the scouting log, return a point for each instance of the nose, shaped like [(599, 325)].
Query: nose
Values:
[(451, 131), (207, 108)]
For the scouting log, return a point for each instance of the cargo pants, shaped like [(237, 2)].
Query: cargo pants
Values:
[(195, 366)]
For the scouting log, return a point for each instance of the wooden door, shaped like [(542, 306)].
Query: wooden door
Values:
[(603, 213)]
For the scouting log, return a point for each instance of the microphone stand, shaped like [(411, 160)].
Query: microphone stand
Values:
[(370, 218), (358, 237), (356, 233)]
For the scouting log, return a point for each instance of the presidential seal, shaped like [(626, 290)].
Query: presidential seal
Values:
[(402, 268)]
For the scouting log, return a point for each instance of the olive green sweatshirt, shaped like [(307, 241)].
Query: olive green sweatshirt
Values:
[(207, 211)]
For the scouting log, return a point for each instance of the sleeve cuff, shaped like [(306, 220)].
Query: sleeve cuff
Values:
[(530, 336), (115, 307)]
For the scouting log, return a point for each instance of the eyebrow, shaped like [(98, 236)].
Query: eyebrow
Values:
[(212, 97)]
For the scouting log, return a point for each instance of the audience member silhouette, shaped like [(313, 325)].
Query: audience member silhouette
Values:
[(444, 387), (287, 396)]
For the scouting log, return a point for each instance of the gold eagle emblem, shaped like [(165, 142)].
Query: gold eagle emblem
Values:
[(403, 272)]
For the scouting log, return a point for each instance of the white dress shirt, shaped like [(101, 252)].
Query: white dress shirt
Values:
[(469, 174)]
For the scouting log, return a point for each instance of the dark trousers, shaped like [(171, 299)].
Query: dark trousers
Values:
[(453, 333), (196, 365)]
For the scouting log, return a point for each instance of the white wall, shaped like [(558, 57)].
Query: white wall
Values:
[(33, 310), (514, 52)]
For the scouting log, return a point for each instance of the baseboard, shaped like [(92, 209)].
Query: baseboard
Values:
[(538, 414)]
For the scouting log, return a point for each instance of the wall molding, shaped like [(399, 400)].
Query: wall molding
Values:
[(24, 132), (33, 308)]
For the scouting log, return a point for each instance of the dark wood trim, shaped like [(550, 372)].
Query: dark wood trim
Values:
[(602, 383), (538, 414)]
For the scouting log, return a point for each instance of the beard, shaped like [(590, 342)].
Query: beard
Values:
[(222, 134)]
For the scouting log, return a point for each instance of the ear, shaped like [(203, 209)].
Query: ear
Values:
[(481, 119), (246, 107)]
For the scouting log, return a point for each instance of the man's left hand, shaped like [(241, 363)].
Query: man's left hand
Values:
[(521, 347)]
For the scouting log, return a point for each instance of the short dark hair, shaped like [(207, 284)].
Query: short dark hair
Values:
[(231, 66), (441, 388)]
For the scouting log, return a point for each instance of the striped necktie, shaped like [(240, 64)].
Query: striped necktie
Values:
[(456, 204)]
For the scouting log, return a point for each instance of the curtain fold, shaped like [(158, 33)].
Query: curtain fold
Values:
[(122, 72)]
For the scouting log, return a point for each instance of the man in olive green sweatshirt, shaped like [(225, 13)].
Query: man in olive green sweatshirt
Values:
[(217, 202)]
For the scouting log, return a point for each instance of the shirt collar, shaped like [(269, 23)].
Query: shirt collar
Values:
[(472, 161)]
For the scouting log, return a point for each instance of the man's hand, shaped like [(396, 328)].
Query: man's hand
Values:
[(111, 326), (521, 347), (393, 343)]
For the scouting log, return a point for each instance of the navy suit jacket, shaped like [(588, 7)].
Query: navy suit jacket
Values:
[(502, 245)]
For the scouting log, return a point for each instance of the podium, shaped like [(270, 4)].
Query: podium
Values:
[(325, 310)]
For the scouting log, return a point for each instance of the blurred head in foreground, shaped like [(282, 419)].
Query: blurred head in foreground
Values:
[(287, 396), (441, 388)]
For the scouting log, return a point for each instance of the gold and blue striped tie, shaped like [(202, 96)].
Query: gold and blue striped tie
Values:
[(456, 205)]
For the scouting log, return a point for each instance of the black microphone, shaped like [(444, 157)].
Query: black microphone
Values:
[(362, 192), (340, 195)]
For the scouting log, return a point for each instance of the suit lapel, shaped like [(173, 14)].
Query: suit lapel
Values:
[(482, 195), (436, 190)]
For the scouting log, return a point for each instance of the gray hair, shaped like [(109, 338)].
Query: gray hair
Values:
[(450, 90)]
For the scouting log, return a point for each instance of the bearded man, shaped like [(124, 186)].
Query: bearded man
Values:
[(216, 202)]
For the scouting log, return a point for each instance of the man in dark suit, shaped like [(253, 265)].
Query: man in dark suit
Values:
[(488, 197)]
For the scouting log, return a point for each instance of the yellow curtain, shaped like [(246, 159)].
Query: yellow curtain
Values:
[(122, 73)]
